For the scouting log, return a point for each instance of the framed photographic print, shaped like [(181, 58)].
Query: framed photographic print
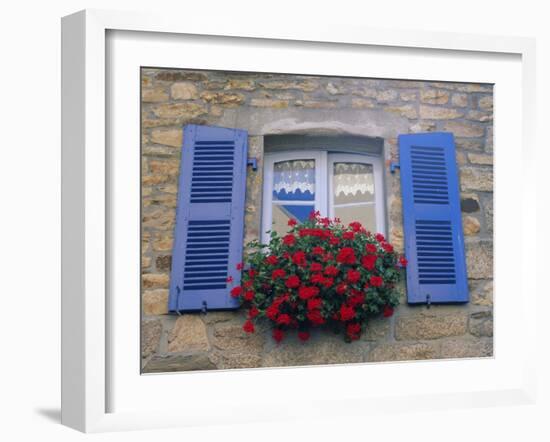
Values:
[(274, 208)]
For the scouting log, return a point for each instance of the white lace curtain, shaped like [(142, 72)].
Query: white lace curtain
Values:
[(294, 175), (351, 178)]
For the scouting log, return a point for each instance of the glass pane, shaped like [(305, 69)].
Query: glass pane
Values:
[(282, 213), (365, 214), (294, 180), (353, 183)]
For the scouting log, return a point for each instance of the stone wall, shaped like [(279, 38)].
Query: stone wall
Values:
[(267, 104)]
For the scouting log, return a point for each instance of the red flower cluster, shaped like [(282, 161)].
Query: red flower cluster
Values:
[(320, 272)]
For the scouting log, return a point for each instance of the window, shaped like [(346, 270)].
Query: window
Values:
[(343, 185)]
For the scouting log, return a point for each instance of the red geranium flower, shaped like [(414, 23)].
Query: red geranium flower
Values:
[(331, 271), (328, 282), (341, 288), (348, 235), (289, 240), (278, 335), (283, 319), (369, 261), (388, 311), (240, 266), (299, 258), (292, 282), (278, 273), (379, 237), (229, 279), (355, 225), (236, 291), (333, 240), (316, 267), (314, 303), (272, 259), (353, 330), (272, 311), (387, 247), (356, 300), (346, 312), (307, 292), (248, 326), (346, 255), (249, 295), (371, 248), (403, 261), (253, 312), (317, 278), (318, 250), (315, 317), (292, 222), (376, 281), (353, 276), (303, 336)]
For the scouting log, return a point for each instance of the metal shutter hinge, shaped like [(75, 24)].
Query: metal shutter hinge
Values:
[(394, 165), (252, 162)]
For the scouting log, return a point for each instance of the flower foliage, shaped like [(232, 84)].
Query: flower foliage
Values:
[(321, 273)]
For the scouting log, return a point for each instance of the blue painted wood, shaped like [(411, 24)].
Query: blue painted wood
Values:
[(434, 240), (208, 237)]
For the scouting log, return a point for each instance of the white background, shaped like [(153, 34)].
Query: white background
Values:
[(30, 182)]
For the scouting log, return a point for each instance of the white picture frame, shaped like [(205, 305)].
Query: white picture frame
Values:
[(89, 170)]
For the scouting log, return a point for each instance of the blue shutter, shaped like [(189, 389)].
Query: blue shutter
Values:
[(208, 237), (434, 241)]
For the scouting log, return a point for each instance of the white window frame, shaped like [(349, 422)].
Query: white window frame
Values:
[(324, 163)]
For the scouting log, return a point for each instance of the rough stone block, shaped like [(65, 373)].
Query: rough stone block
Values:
[(481, 324), (466, 348), (230, 336), (430, 326), (223, 98), (184, 90), (439, 113), (478, 158), (322, 348), (170, 363), (479, 259), (179, 110), (403, 352), (188, 335), (151, 330), (154, 95), (434, 96), (470, 225), (476, 178), (483, 294), (170, 137), (155, 302), (155, 280), (464, 129)]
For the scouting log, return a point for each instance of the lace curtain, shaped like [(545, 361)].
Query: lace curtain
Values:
[(351, 178), (294, 176)]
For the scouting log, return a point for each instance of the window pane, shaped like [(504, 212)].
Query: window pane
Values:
[(365, 214), (294, 180), (282, 213), (353, 183)]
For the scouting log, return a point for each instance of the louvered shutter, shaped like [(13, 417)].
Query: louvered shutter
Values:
[(434, 241), (208, 238)]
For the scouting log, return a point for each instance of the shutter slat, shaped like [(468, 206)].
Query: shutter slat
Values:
[(434, 243), (208, 237)]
